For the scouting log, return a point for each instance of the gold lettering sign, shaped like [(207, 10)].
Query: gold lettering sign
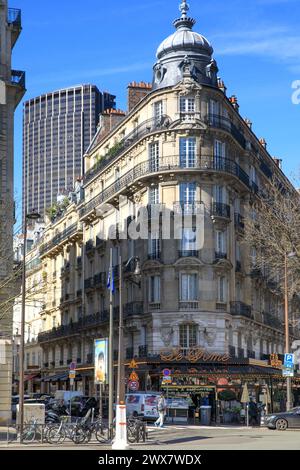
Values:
[(274, 361), (192, 355)]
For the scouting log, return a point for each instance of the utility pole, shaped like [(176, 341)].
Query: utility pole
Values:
[(287, 337), (111, 350)]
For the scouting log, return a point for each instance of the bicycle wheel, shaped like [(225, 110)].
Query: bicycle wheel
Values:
[(132, 434), (56, 435), (78, 435), (102, 434), (28, 434)]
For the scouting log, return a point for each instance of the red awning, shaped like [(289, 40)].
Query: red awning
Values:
[(30, 377)]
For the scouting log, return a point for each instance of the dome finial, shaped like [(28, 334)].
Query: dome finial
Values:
[(184, 8), (184, 21)]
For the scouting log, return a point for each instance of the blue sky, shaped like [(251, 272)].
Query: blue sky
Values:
[(110, 43)]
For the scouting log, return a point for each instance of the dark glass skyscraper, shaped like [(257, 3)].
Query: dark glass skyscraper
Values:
[(57, 129)]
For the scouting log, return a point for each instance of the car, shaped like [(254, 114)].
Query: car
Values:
[(284, 420)]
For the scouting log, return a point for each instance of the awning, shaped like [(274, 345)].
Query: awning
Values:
[(56, 377), (30, 377)]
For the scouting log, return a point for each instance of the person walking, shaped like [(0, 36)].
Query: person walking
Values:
[(161, 408), (253, 413)]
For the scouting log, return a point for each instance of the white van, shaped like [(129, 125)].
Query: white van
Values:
[(143, 404)]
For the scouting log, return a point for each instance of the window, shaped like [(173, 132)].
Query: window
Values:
[(220, 149), (222, 297), (187, 104), (153, 247), (188, 336), (188, 287), (187, 148), (221, 242), (154, 289), (214, 108), (188, 241), (158, 111), (187, 193), (153, 195), (253, 256), (154, 156), (219, 194)]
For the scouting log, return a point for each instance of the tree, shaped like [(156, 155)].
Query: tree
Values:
[(273, 232)]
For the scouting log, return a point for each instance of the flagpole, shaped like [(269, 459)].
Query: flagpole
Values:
[(111, 349)]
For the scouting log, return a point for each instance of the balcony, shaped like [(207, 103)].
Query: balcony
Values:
[(18, 82), (145, 128), (219, 209), (239, 222), (14, 19), (89, 284), (154, 255), (71, 233), (100, 280), (219, 255), (240, 309), (154, 306), (224, 123), (134, 308), (143, 351), (188, 253), (129, 353), (143, 171), (271, 320), (188, 305)]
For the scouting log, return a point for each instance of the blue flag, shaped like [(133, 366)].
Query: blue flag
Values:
[(111, 281)]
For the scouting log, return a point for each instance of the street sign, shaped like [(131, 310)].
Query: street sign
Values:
[(287, 372), (134, 377), (133, 385), (289, 360), (166, 380), (72, 374), (166, 372), (72, 365), (133, 364)]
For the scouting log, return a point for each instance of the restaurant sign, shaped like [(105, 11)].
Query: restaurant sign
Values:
[(191, 355)]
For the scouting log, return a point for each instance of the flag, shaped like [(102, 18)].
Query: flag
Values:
[(111, 281)]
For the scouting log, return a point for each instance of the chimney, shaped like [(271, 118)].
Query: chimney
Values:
[(278, 162), (109, 119), (234, 101), (136, 92), (263, 142), (248, 122), (221, 85)]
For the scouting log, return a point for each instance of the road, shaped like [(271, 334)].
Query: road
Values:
[(196, 438)]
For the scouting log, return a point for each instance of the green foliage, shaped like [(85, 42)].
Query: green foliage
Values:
[(114, 150), (227, 395)]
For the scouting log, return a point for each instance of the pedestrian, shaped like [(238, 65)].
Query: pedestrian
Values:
[(253, 413), (161, 408)]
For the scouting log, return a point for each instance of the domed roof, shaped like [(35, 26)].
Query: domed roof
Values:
[(184, 39)]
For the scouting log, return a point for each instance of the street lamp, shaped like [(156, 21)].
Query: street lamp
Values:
[(120, 441), (30, 216), (286, 320)]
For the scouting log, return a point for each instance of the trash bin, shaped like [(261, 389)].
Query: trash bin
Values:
[(205, 415)]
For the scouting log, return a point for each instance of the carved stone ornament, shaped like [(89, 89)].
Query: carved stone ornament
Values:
[(167, 335)]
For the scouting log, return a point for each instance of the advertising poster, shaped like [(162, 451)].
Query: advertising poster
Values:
[(101, 361)]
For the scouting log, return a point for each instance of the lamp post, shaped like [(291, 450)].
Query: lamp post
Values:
[(31, 216), (120, 441)]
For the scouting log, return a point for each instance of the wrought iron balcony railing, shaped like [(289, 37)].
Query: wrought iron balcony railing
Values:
[(61, 237), (220, 255), (222, 122), (188, 253), (145, 128), (239, 221), (14, 17), (18, 78), (219, 209), (240, 309), (165, 164)]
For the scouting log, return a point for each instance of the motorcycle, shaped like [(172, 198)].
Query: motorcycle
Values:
[(54, 412)]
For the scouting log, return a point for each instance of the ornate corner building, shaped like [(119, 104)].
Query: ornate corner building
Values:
[(184, 147)]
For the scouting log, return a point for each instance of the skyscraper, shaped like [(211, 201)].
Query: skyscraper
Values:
[(12, 89), (57, 129)]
